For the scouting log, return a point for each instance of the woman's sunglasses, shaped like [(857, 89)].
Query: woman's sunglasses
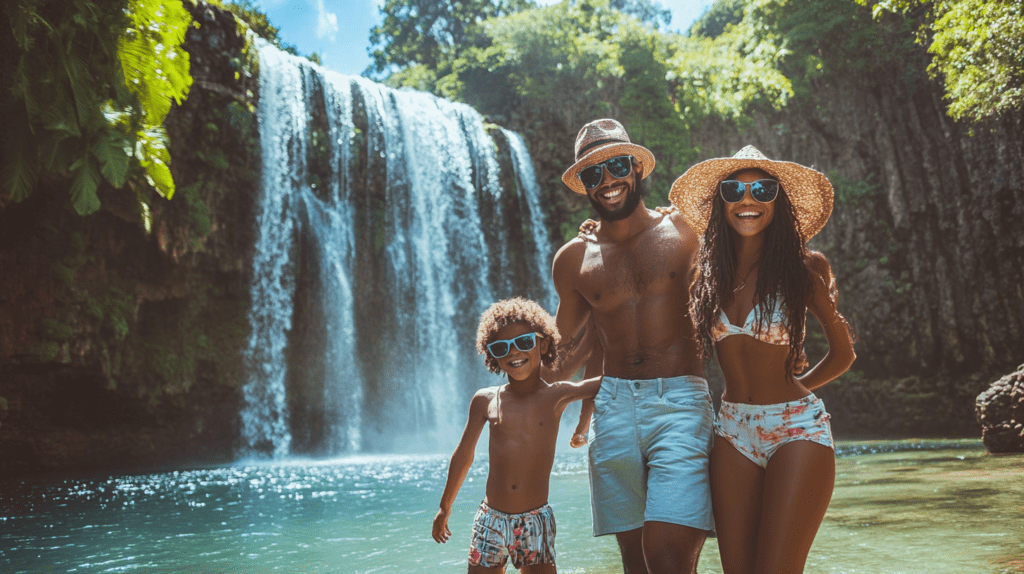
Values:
[(619, 167), (524, 343), (763, 190)]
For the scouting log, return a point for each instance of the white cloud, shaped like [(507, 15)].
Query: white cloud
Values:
[(326, 22)]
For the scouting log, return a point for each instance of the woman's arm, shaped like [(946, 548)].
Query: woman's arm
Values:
[(823, 305), (462, 460)]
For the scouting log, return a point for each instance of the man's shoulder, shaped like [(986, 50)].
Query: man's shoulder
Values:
[(574, 248), (672, 217)]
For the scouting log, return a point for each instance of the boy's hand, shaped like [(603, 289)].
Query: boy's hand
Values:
[(441, 532), (579, 439), (587, 230)]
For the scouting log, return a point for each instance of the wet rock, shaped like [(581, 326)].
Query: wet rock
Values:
[(1000, 411)]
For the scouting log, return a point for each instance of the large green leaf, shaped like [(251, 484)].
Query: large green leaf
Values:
[(20, 173), (85, 180), (155, 66), (111, 152), (151, 151)]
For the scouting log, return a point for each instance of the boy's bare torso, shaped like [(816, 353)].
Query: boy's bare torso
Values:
[(637, 290), (523, 430)]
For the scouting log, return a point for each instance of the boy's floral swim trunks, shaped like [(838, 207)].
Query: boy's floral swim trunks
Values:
[(526, 538)]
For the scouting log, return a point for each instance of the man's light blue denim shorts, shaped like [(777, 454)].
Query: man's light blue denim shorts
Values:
[(650, 443)]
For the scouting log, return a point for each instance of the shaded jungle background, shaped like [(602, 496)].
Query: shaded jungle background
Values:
[(131, 164)]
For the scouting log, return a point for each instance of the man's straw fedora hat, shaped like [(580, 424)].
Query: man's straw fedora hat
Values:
[(808, 190), (601, 140)]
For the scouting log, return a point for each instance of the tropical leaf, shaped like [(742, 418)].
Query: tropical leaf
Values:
[(60, 116), (156, 68), (57, 151), (85, 180), (151, 151), (109, 150), (20, 172)]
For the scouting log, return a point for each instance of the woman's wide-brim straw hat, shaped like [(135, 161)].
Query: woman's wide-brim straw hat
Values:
[(808, 190), (602, 140)]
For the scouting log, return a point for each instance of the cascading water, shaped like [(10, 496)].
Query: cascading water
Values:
[(386, 225)]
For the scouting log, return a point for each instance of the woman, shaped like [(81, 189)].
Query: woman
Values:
[(773, 462)]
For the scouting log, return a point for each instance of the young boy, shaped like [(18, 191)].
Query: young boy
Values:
[(514, 521)]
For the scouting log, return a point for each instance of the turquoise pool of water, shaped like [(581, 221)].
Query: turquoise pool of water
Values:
[(930, 507)]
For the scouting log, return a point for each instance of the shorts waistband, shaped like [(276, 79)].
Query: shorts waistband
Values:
[(773, 407), (661, 383), (489, 510)]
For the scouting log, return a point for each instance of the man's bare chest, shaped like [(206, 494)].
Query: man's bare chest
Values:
[(613, 275)]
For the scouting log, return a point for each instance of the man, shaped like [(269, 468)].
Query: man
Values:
[(652, 427)]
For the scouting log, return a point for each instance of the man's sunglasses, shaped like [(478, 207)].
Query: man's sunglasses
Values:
[(619, 167), (763, 190), (524, 343)]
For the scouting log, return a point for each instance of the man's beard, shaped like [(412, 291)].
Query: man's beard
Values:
[(627, 209)]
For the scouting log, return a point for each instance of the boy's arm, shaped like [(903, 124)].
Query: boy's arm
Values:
[(579, 436), (462, 460), (595, 365), (576, 391)]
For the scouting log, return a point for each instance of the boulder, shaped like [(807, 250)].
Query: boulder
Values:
[(1000, 411)]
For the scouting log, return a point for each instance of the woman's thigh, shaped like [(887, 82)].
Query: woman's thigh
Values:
[(736, 496), (798, 485)]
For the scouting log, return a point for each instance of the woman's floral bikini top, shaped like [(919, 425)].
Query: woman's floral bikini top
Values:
[(774, 333)]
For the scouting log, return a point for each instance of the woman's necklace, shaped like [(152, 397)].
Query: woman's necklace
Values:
[(744, 282)]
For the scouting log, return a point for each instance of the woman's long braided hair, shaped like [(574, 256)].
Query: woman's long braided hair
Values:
[(782, 277)]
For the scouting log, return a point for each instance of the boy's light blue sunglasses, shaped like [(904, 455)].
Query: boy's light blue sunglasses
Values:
[(524, 343)]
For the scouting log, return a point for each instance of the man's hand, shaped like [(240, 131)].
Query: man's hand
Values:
[(441, 533)]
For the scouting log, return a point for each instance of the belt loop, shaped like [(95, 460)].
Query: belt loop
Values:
[(661, 386), (615, 388)]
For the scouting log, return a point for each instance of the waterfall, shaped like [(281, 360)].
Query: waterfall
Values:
[(388, 220)]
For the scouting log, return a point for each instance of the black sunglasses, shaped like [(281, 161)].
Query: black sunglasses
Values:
[(619, 167), (524, 343), (763, 190)]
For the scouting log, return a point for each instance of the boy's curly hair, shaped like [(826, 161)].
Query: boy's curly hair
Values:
[(516, 310)]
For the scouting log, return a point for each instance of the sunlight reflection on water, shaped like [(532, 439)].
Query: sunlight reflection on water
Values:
[(906, 507)]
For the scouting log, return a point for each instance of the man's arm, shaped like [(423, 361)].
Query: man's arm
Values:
[(573, 312), (462, 460)]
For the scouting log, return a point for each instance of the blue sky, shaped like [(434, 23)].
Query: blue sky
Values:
[(339, 30)]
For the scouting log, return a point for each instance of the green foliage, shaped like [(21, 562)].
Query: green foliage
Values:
[(853, 192), (810, 39), (90, 85), (647, 11), (422, 31), (56, 330), (548, 60), (716, 19), (118, 307), (977, 48), (724, 77)]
